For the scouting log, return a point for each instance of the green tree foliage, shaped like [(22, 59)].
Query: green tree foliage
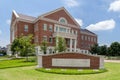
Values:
[(114, 49), (44, 46), (103, 50), (61, 44), (15, 47), (26, 46), (94, 49), (23, 45)]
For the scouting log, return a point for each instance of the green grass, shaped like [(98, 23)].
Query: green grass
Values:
[(15, 63), (15, 72), (72, 71), (29, 73), (3, 57)]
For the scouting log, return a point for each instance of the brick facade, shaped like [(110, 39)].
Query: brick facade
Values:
[(52, 18), (94, 60)]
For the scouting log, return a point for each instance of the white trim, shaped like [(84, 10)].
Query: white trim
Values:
[(15, 13), (57, 22), (46, 19), (88, 33), (64, 19), (62, 8), (24, 20), (101, 62)]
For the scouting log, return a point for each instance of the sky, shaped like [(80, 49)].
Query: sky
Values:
[(100, 16)]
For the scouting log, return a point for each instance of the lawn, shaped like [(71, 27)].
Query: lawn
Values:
[(6, 63), (29, 73)]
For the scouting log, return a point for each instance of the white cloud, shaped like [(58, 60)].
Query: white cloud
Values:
[(102, 44), (71, 3), (4, 42), (103, 25), (115, 6), (80, 22), (8, 21)]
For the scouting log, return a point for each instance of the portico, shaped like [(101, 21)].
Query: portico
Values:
[(72, 40)]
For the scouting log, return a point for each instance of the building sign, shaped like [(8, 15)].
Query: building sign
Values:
[(70, 62)]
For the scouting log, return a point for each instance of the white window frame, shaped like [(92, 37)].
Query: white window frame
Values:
[(44, 38), (45, 27), (62, 18), (51, 39), (50, 28), (26, 28)]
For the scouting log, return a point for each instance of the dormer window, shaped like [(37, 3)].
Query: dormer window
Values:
[(63, 20)]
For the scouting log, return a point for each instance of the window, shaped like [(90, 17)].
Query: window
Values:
[(45, 27), (56, 28), (85, 37), (36, 27), (62, 29), (88, 38), (44, 38), (50, 39), (82, 37), (26, 28), (94, 39), (63, 20), (50, 51), (36, 39), (91, 39), (68, 30), (50, 28), (76, 32)]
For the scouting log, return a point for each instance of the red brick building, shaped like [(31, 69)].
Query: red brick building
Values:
[(47, 26)]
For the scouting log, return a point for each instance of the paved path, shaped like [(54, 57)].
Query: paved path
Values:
[(115, 61)]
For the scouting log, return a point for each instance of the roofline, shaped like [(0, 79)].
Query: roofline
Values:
[(92, 33), (70, 53), (48, 13), (15, 13)]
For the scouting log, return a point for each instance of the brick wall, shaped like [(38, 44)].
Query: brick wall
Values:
[(94, 60)]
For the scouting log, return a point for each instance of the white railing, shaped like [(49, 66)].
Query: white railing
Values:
[(65, 35)]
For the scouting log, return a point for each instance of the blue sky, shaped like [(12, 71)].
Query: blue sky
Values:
[(99, 16)]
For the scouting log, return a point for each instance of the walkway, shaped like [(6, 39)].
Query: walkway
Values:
[(115, 61)]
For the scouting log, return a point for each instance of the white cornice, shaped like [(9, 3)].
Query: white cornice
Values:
[(62, 8), (88, 33), (24, 20), (57, 22), (15, 13), (51, 12)]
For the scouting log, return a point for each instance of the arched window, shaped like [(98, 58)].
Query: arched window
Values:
[(63, 20)]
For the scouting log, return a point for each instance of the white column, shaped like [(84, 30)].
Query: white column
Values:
[(39, 61), (75, 42), (57, 42), (70, 45)]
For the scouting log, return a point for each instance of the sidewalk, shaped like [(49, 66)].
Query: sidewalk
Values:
[(115, 61)]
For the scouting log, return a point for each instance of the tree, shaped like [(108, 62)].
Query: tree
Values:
[(94, 49), (103, 50), (44, 46), (26, 46), (15, 47), (114, 49), (61, 44), (23, 45)]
